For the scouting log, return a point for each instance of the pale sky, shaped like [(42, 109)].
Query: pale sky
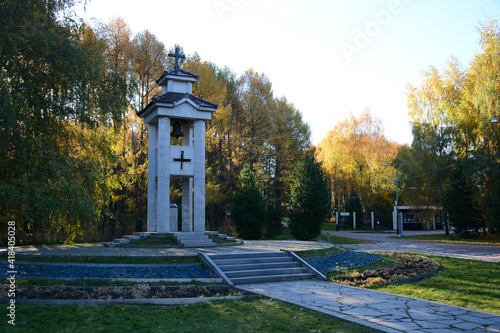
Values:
[(328, 57)]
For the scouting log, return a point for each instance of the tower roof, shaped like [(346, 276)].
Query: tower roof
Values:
[(174, 97), (178, 73)]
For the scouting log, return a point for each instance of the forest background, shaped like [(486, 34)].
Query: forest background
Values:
[(74, 153)]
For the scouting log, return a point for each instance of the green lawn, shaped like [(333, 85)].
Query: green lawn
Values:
[(246, 315), (286, 235), (467, 283), (152, 241), (489, 239), (218, 240)]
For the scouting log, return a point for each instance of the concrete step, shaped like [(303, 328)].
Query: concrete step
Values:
[(264, 272), (141, 234), (242, 261), (251, 267), (240, 255), (132, 237), (257, 267), (121, 241), (272, 278), (193, 239)]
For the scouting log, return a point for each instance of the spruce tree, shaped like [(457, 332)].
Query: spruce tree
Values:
[(493, 204), (459, 203), (248, 210), (310, 199)]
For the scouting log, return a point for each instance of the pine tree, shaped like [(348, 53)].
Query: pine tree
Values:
[(310, 199), (248, 209)]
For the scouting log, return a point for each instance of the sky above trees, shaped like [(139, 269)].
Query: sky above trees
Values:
[(329, 58)]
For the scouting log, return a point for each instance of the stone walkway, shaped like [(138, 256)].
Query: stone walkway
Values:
[(98, 250), (381, 242), (378, 310), (426, 248)]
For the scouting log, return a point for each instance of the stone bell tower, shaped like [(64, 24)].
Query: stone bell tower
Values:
[(180, 115)]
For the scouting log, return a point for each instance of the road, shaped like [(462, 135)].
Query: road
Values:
[(380, 241)]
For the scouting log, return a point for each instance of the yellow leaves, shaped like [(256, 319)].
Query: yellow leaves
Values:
[(355, 151)]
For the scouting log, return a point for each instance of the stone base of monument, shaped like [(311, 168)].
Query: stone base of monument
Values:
[(193, 239)]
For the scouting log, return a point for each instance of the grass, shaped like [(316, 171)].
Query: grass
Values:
[(108, 260), (218, 240), (333, 227), (460, 282), (339, 240), (286, 235), (319, 253), (245, 315), (467, 283), (489, 239), (153, 241)]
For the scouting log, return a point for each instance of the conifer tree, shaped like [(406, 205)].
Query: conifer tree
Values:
[(248, 209), (459, 203), (310, 199)]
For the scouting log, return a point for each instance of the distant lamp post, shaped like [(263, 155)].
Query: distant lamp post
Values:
[(399, 221)]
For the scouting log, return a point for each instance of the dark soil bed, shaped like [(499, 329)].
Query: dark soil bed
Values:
[(406, 268), (136, 292)]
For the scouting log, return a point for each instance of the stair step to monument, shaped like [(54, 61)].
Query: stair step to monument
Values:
[(257, 267), (240, 255), (193, 239), (250, 267), (121, 241), (267, 271), (274, 260), (142, 234), (132, 237), (272, 278)]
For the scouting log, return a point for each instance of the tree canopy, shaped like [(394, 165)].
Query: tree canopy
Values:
[(75, 153)]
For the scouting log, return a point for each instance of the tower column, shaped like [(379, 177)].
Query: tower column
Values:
[(152, 174), (199, 175), (163, 208), (187, 204)]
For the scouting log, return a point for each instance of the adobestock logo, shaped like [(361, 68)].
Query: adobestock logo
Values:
[(224, 6), (363, 36)]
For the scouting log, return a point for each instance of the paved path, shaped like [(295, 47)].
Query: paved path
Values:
[(381, 242), (96, 250), (382, 311)]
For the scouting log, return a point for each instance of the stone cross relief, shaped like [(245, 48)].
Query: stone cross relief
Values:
[(182, 160)]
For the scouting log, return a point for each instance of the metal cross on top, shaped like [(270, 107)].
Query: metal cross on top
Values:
[(177, 55), (182, 160)]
